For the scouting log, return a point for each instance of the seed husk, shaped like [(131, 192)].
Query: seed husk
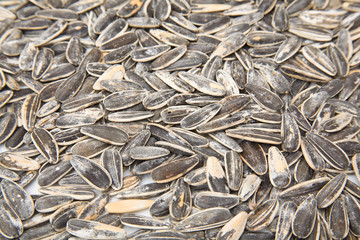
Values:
[(338, 214), (143, 222), (204, 200), (94, 230), (18, 199), (304, 218), (112, 162), (279, 172), (50, 203), (181, 202), (205, 219), (11, 225), (108, 134), (92, 173)]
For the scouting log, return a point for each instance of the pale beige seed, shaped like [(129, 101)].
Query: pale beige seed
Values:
[(233, 229), (127, 206), (216, 176), (279, 172)]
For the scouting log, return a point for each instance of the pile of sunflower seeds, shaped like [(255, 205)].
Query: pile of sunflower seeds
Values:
[(244, 114)]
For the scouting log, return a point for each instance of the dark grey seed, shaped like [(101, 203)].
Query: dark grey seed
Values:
[(93, 173), (149, 165), (160, 207), (181, 201), (11, 225), (200, 116), (180, 31), (112, 162), (215, 25), (286, 214), (119, 41), (269, 101), (18, 199), (81, 102), (124, 99), (45, 142), (147, 152), (7, 125), (84, 5), (165, 134), (57, 14), (149, 53), (68, 136), (338, 219), (158, 99), (138, 140), (52, 174), (119, 54), (103, 20), (290, 133), (333, 155), (108, 134), (8, 174), (146, 39), (233, 170), (74, 51), (263, 215), (353, 207), (114, 29), (331, 191), (174, 169), (254, 156), (61, 216), (304, 218), (205, 200), (280, 19), (205, 219), (50, 203), (93, 209), (89, 148), (168, 58), (69, 87)]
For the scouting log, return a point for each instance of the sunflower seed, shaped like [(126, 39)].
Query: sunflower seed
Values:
[(18, 199), (94, 230), (92, 173), (338, 214), (205, 219), (11, 225)]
